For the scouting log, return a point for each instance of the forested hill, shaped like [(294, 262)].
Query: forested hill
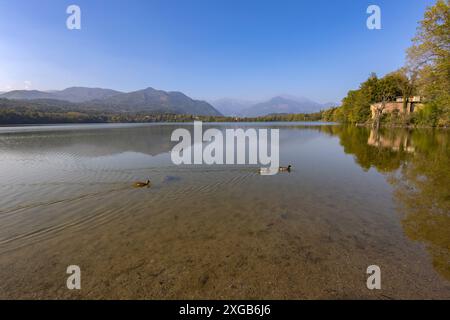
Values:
[(102, 101)]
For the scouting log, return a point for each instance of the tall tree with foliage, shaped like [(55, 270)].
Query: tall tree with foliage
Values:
[(356, 105), (427, 73), (429, 57)]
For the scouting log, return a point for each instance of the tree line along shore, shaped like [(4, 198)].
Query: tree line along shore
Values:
[(426, 75)]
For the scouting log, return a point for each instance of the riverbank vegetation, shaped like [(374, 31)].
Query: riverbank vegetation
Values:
[(15, 112), (426, 74)]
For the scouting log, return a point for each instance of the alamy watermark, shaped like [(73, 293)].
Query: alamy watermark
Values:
[(73, 21), (374, 279), (374, 20), (74, 280), (239, 146)]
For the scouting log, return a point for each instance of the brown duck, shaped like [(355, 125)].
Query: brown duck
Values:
[(140, 184), (285, 169)]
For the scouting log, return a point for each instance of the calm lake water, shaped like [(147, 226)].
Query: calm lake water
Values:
[(354, 198)]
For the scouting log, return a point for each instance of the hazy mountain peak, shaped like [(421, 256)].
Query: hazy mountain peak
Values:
[(72, 94), (294, 98), (148, 89), (148, 100), (283, 104), (230, 106), (83, 94), (25, 95)]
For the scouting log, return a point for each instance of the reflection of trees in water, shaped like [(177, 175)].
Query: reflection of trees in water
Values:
[(367, 148), (146, 139), (423, 189), (418, 165), (395, 140), (416, 161)]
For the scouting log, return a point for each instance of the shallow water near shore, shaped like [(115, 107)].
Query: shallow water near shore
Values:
[(355, 198)]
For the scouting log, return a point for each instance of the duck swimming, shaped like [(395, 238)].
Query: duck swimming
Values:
[(285, 169), (140, 184), (272, 171)]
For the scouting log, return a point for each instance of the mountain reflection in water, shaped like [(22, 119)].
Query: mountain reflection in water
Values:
[(356, 197)]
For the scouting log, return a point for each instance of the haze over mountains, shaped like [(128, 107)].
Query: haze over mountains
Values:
[(73, 94), (231, 107), (283, 104), (155, 101), (148, 100)]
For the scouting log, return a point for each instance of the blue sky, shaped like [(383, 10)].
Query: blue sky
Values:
[(248, 49)]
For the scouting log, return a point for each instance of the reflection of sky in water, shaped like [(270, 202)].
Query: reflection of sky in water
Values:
[(60, 181), (127, 160)]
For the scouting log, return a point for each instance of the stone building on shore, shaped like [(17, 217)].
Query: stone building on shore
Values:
[(413, 104)]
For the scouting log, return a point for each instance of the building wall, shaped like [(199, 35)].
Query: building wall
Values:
[(392, 106)]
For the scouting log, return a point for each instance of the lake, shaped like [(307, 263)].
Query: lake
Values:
[(354, 198)]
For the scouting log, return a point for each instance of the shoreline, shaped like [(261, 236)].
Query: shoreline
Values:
[(367, 125), (393, 126)]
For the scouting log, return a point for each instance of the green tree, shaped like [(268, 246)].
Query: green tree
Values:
[(430, 58)]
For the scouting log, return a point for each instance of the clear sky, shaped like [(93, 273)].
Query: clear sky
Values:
[(208, 49)]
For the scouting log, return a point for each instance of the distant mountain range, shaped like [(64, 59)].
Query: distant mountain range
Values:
[(73, 94), (155, 101), (231, 107), (147, 100), (277, 105)]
